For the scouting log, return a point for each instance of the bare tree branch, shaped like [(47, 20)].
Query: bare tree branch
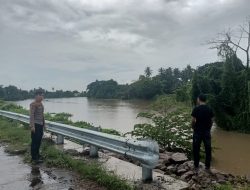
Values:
[(231, 42), (228, 43), (243, 29)]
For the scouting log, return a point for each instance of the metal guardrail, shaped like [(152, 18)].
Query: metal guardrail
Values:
[(144, 151)]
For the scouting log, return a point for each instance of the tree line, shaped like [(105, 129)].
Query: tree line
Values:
[(12, 93), (167, 81), (226, 83)]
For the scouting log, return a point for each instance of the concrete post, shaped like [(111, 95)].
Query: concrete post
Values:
[(60, 139), (147, 174), (93, 152)]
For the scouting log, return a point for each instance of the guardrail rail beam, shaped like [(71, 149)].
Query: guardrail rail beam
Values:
[(144, 151)]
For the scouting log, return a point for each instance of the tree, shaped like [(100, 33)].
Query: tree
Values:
[(195, 88), (161, 71), (187, 73), (145, 89), (177, 72), (103, 89), (1, 92), (229, 42), (148, 72)]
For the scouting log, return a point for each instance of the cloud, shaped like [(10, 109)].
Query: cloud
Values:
[(73, 42)]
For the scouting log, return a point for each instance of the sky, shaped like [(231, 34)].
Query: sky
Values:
[(66, 44)]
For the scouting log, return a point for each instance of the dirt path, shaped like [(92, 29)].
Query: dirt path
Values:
[(17, 175)]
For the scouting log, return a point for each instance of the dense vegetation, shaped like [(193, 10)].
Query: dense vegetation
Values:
[(226, 85), (146, 87), (12, 93), (169, 126)]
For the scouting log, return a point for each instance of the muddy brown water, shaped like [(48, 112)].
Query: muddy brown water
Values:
[(15, 175), (232, 155)]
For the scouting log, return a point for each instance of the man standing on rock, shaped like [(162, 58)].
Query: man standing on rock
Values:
[(37, 125), (202, 123)]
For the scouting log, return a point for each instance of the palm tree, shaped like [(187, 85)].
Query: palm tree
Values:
[(148, 72)]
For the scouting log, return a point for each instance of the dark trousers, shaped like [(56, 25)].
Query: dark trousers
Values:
[(36, 141), (204, 137)]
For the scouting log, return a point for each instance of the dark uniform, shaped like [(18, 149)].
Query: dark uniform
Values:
[(202, 133)]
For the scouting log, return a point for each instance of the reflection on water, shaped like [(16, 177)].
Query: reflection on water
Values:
[(232, 156), (35, 177)]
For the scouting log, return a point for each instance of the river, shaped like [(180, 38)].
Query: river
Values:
[(232, 153)]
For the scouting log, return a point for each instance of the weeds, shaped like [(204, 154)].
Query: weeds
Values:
[(18, 136)]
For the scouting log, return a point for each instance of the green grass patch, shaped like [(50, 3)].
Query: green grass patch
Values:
[(18, 136), (230, 187)]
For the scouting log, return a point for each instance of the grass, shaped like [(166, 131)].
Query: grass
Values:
[(223, 187), (229, 187), (17, 136)]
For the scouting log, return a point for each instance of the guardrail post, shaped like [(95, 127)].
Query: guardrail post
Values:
[(147, 174), (59, 139), (93, 152)]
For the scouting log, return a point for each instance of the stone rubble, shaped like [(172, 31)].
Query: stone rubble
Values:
[(178, 165)]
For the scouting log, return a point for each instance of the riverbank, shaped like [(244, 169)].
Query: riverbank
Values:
[(179, 166), (17, 137), (174, 164), (59, 118), (57, 156)]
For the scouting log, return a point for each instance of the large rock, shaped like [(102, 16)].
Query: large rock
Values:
[(178, 158), (72, 152), (163, 156), (220, 177), (163, 168), (161, 150), (189, 165), (187, 176), (181, 171), (159, 171), (85, 151), (159, 166), (164, 159), (171, 169)]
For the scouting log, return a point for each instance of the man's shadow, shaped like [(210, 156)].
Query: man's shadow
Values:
[(35, 176)]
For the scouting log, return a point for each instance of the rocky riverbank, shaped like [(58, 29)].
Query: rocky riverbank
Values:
[(178, 165)]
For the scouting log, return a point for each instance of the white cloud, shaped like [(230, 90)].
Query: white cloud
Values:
[(105, 39)]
